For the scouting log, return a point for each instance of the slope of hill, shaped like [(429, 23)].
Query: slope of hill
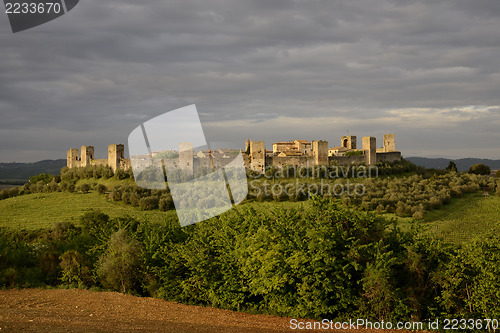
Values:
[(23, 171), (463, 164), (42, 210)]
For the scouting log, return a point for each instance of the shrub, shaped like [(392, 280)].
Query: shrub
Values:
[(126, 197), (116, 194), (71, 188), (93, 220), (480, 169), (149, 203), (166, 203), (85, 188), (419, 214), (134, 199), (9, 193), (44, 177), (53, 186), (471, 280), (120, 267), (75, 269), (121, 174), (101, 188)]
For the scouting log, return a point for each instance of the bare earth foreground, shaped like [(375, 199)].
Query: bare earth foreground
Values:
[(39, 310)]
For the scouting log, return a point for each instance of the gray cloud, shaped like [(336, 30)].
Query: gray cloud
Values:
[(268, 70)]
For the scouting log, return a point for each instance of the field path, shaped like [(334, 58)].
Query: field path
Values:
[(40, 310)]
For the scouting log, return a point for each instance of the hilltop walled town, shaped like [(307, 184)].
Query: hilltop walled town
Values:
[(256, 157)]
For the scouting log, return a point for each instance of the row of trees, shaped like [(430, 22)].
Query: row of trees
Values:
[(322, 262), (405, 196)]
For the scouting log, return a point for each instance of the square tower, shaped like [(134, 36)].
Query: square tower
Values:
[(115, 154), (87, 153), (186, 157), (349, 142), (320, 152), (370, 148), (73, 158), (389, 142), (258, 156)]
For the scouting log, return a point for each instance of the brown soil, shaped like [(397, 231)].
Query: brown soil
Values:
[(39, 310)]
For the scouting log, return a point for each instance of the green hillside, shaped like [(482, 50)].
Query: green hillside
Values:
[(457, 222), (42, 210), (465, 218)]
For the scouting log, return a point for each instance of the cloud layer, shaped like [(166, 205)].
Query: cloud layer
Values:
[(268, 70)]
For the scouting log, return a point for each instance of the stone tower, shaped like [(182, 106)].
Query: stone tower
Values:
[(349, 142), (72, 158), (115, 154), (389, 142), (320, 152), (186, 156), (87, 153), (370, 148), (258, 156)]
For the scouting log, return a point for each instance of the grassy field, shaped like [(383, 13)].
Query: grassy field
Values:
[(459, 221), (42, 210), (463, 219)]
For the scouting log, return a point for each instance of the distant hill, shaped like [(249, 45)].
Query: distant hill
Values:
[(23, 171), (463, 164)]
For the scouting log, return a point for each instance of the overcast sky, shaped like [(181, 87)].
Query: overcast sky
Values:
[(428, 71)]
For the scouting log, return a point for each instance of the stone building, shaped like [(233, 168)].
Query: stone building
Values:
[(85, 157), (293, 154), (297, 146)]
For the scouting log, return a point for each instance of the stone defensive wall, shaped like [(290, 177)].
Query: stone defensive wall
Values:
[(320, 155), (301, 153)]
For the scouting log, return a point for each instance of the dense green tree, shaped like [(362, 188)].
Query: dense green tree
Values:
[(121, 266), (480, 169), (75, 269), (452, 167), (44, 177)]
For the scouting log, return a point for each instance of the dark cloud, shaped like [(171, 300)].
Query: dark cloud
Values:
[(267, 70)]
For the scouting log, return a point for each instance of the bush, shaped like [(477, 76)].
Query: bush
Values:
[(471, 280), (166, 203), (498, 173), (9, 193), (149, 203), (134, 198), (480, 169), (85, 188), (44, 177), (93, 221), (116, 194), (75, 269), (101, 188), (71, 188), (120, 268), (121, 174)]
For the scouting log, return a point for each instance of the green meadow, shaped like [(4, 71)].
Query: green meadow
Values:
[(461, 220), (42, 210)]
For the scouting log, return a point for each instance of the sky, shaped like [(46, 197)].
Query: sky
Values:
[(427, 71)]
